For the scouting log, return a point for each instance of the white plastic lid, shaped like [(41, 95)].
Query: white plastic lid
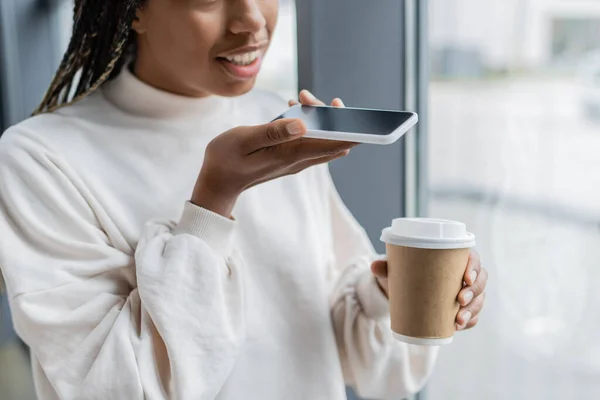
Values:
[(428, 233)]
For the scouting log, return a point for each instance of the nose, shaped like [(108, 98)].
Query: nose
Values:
[(247, 17)]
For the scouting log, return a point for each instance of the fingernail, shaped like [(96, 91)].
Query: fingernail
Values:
[(466, 317), (473, 276), (468, 296), (294, 128)]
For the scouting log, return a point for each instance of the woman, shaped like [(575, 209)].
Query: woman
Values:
[(261, 289)]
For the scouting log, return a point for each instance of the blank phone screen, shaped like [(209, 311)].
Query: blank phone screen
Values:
[(350, 120)]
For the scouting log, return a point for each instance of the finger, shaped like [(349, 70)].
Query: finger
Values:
[(472, 322), (313, 149), (379, 268), (292, 103), (327, 142), (280, 131), (301, 166), (284, 157), (304, 164), (473, 268), (465, 314), (337, 102), (309, 99), (468, 293)]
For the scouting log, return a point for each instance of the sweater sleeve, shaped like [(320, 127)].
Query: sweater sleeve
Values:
[(374, 363), (105, 321)]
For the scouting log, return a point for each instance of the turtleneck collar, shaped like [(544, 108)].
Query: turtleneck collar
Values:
[(135, 97)]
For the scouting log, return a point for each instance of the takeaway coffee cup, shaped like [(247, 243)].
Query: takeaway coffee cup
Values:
[(426, 265)]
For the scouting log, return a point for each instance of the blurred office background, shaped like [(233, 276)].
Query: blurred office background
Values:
[(509, 95), (514, 151)]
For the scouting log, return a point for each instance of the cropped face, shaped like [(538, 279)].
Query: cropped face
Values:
[(203, 47)]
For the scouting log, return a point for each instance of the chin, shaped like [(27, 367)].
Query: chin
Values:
[(236, 89)]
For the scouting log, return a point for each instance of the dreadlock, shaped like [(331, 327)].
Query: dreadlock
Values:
[(100, 44)]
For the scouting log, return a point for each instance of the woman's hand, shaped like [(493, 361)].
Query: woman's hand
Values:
[(471, 296), (246, 156)]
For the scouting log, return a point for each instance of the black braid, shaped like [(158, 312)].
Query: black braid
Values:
[(100, 44)]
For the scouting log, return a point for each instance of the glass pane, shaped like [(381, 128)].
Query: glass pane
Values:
[(514, 144)]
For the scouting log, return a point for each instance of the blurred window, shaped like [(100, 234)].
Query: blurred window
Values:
[(514, 147)]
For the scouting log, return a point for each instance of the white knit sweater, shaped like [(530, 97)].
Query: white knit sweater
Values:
[(123, 290)]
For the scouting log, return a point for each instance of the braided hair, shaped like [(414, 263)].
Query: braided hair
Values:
[(100, 44)]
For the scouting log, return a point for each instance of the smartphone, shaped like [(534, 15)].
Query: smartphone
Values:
[(359, 125)]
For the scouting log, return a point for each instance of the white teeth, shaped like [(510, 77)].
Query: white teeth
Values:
[(245, 58)]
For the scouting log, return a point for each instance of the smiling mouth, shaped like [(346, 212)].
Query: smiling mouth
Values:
[(242, 59)]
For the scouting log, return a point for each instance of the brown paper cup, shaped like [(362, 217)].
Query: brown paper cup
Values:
[(423, 288), (426, 264)]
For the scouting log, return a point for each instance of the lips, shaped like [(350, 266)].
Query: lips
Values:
[(244, 63), (241, 71)]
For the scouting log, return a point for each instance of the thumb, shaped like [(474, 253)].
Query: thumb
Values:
[(379, 269), (271, 134)]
